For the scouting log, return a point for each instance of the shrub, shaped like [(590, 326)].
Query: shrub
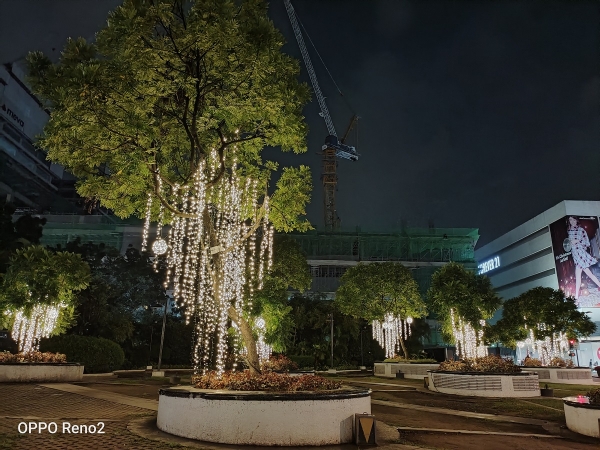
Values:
[(594, 396), (410, 361), (560, 362), (532, 362), (279, 363), (303, 361), (32, 357), (244, 381), (98, 355), (488, 364)]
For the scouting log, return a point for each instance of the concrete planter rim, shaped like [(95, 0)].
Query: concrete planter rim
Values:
[(512, 374), (39, 364), (571, 401), (555, 367), (217, 394)]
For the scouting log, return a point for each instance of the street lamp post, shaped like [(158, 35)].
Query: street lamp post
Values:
[(162, 336)]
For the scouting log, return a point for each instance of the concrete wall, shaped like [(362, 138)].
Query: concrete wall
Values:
[(245, 419), (581, 418), (561, 375), (414, 371), (40, 372), (484, 385)]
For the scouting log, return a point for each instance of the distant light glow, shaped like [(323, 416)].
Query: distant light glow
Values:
[(390, 331), (28, 330)]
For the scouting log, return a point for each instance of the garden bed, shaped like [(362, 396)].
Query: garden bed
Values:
[(484, 384), (29, 372), (409, 370), (581, 416), (571, 375), (262, 418)]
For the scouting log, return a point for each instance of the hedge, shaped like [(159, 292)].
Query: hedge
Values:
[(98, 355), (303, 361)]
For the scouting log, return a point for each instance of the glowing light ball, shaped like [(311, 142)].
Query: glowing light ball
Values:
[(159, 246)]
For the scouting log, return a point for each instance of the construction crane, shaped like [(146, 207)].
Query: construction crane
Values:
[(334, 147)]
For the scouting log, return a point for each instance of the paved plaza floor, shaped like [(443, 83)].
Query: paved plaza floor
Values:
[(125, 411)]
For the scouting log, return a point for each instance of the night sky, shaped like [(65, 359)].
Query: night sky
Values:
[(473, 113)]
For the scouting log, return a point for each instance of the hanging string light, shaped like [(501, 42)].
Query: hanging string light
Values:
[(27, 330), (469, 342), (390, 331), (554, 346), (216, 255)]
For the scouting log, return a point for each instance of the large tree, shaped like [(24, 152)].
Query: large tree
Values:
[(543, 312), (168, 112), (462, 301), (379, 290)]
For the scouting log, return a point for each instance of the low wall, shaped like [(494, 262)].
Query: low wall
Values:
[(577, 375), (581, 417), (40, 372), (415, 371), (485, 384), (262, 418)]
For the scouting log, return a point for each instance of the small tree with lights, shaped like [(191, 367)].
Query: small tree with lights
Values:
[(541, 320), (462, 301), (385, 294), (165, 117), (38, 293)]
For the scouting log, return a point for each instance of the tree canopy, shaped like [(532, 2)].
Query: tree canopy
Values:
[(468, 295), (543, 310), (166, 86), (370, 291)]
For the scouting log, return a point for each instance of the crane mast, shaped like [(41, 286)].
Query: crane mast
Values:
[(333, 148)]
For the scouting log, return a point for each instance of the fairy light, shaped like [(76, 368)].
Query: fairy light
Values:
[(214, 260), (27, 330), (555, 345), (390, 331), (469, 341), (147, 223)]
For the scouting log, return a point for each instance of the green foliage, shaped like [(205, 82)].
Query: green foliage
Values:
[(487, 364), (98, 355), (289, 271), (594, 396), (370, 291), (166, 86), (270, 381), (471, 296), (538, 306), (121, 288), (410, 361), (303, 361), (38, 276)]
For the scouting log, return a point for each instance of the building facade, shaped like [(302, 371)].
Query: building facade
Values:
[(560, 249)]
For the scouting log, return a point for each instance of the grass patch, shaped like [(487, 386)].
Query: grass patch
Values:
[(568, 390)]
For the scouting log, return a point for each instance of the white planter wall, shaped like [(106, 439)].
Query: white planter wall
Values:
[(484, 385), (40, 372), (561, 375), (262, 418), (581, 417), (414, 371)]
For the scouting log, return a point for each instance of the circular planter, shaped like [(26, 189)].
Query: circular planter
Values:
[(262, 418), (572, 375), (581, 416), (414, 371), (40, 372), (482, 384)]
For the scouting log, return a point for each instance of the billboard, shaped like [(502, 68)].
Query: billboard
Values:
[(576, 248)]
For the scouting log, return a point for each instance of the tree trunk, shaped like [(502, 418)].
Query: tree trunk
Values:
[(403, 347), (249, 341)]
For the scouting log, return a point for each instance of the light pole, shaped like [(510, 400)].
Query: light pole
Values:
[(331, 338), (162, 335)]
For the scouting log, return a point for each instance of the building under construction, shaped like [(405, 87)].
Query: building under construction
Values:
[(423, 250)]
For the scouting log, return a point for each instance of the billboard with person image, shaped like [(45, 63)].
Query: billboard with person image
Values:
[(576, 248)]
